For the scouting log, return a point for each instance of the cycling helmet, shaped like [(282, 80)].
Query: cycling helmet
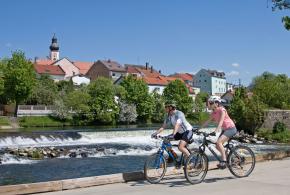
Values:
[(171, 103), (214, 99)]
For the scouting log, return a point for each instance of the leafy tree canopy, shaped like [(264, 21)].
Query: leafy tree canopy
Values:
[(103, 107), (177, 91), (138, 94), (19, 78)]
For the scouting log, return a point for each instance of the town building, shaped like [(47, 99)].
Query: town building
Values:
[(55, 72), (52, 65), (211, 81), (106, 68)]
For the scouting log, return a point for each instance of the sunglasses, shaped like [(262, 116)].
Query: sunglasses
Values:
[(211, 103)]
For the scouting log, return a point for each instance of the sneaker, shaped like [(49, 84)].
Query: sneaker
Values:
[(222, 165)]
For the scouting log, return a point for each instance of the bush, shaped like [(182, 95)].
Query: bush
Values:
[(282, 137), (279, 127)]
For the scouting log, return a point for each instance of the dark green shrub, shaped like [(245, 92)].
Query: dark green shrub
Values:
[(279, 127)]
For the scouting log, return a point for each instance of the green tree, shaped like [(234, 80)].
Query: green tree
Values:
[(138, 94), (119, 91), (44, 92), (281, 5), (19, 78), (177, 91), (78, 102), (3, 64), (103, 106), (159, 110), (61, 111), (254, 114), (272, 90), (286, 21), (200, 101), (65, 87), (238, 108), (247, 113)]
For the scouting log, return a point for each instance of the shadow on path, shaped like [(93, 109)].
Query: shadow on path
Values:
[(179, 181)]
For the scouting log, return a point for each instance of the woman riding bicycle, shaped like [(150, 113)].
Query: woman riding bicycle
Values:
[(224, 122), (182, 129)]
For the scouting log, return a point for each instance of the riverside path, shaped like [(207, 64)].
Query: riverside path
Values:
[(270, 177)]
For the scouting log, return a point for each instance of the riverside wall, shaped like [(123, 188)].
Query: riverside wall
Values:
[(273, 116)]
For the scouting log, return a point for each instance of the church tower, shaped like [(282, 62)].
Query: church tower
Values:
[(54, 49)]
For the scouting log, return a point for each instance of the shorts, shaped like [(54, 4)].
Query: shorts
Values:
[(186, 136), (230, 132)]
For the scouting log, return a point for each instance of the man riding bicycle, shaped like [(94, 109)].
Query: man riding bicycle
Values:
[(182, 130)]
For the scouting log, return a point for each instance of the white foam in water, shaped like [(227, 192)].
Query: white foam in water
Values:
[(10, 159)]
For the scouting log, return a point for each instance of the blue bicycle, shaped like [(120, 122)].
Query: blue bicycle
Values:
[(156, 165)]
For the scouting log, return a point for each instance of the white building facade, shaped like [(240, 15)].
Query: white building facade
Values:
[(211, 82)]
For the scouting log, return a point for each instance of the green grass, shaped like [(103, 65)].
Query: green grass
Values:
[(4, 121), (41, 121), (282, 137)]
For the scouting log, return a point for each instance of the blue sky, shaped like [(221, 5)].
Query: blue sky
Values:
[(242, 38)]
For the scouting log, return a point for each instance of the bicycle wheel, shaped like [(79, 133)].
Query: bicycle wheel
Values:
[(196, 167), (241, 161), (155, 168)]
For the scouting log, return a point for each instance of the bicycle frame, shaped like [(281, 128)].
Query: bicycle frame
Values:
[(165, 147), (206, 143)]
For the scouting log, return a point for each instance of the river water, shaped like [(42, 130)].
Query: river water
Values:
[(108, 152)]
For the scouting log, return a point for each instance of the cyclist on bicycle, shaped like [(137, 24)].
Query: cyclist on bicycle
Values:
[(225, 125), (182, 130)]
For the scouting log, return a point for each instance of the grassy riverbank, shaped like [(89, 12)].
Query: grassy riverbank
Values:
[(42, 121), (4, 121), (281, 137)]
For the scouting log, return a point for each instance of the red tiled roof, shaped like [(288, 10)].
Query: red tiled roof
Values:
[(141, 70), (131, 70), (83, 66), (44, 62), (48, 69), (159, 80), (183, 76), (155, 81)]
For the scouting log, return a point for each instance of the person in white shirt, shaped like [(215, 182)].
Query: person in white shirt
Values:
[(182, 130)]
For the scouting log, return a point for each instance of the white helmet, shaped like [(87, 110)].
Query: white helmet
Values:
[(214, 99)]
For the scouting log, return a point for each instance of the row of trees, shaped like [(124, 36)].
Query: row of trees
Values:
[(103, 102), (99, 102)]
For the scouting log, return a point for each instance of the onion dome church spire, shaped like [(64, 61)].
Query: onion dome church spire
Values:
[(54, 49)]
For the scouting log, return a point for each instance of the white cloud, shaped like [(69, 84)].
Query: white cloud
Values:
[(233, 73), (235, 65)]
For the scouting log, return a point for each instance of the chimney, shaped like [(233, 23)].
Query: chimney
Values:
[(151, 69), (35, 59), (147, 65), (109, 61), (159, 71)]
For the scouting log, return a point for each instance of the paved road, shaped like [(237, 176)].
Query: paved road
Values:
[(272, 177)]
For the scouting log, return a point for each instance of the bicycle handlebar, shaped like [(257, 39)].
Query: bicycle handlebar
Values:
[(164, 138), (196, 131)]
